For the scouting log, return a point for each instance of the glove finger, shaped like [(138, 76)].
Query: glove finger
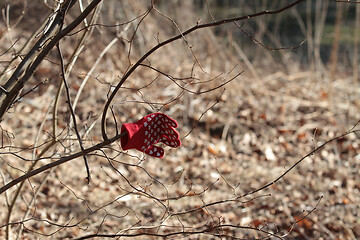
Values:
[(170, 133), (174, 143), (155, 151), (161, 118)]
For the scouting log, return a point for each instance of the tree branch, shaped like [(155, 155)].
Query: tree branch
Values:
[(6, 98), (177, 37), (59, 162)]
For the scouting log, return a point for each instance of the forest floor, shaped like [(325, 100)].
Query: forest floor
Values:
[(240, 137)]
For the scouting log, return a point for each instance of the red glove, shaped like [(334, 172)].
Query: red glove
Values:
[(151, 129)]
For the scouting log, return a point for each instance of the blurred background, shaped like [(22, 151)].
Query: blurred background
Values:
[(251, 97)]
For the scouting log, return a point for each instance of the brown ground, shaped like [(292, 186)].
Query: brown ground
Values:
[(235, 139)]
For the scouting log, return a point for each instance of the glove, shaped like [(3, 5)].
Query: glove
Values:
[(151, 129)]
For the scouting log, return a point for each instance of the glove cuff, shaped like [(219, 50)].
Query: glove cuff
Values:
[(127, 142)]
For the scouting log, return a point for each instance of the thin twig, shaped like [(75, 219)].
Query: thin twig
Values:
[(19, 83), (32, 166), (62, 160), (66, 85), (30, 91), (205, 230), (43, 181), (170, 40), (299, 161), (69, 67), (268, 47)]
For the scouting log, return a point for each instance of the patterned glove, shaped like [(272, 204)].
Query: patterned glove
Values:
[(151, 129)]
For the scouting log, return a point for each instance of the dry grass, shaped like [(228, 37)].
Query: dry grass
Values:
[(242, 136)]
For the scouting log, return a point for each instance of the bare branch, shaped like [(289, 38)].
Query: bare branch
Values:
[(62, 160), (16, 84), (179, 36)]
